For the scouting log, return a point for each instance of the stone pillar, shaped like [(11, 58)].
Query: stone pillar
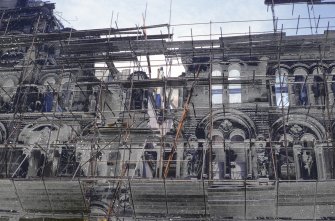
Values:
[(179, 158), (271, 82), (290, 87), (330, 91), (311, 98), (297, 152), (33, 163), (319, 162), (225, 95), (83, 154)]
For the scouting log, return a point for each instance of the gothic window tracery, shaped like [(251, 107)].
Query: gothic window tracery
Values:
[(232, 156), (298, 153)]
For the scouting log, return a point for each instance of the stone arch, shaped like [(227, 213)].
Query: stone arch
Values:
[(317, 65), (299, 70), (299, 158), (318, 71), (234, 66), (44, 131), (299, 65), (332, 68), (52, 77), (229, 157), (274, 68), (313, 125), (230, 116)]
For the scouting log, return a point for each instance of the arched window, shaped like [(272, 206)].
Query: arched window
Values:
[(319, 90), (235, 95), (300, 89), (281, 88)]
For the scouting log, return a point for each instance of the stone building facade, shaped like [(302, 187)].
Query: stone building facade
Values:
[(250, 121)]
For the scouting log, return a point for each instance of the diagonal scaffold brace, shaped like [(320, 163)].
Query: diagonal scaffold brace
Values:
[(181, 123)]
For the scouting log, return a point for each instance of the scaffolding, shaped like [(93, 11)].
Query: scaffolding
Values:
[(235, 126)]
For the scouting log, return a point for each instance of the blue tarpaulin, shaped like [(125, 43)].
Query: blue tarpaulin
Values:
[(47, 102), (158, 101)]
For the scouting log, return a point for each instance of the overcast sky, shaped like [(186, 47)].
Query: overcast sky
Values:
[(92, 14), (89, 14)]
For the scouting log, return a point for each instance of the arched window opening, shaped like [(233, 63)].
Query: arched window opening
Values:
[(285, 159), (281, 88), (237, 156), (319, 90), (237, 138), (300, 90), (235, 95), (307, 164), (306, 158), (285, 164)]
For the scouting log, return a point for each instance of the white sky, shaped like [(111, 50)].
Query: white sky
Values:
[(92, 14)]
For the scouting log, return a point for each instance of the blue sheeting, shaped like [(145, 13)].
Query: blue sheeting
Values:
[(158, 101), (47, 102)]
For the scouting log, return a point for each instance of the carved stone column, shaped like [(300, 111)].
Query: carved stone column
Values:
[(180, 151), (311, 98), (330, 91), (297, 152), (319, 162), (291, 95)]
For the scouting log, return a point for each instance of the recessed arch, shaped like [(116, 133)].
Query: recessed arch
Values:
[(312, 124), (299, 65), (232, 115), (49, 79), (317, 65), (275, 68), (300, 71), (47, 131), (319, 70), (234, 67)]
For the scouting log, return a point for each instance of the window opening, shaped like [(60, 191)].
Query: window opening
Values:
[(235, 95), (281, 89)]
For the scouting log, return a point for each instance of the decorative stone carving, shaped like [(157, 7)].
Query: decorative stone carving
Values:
[(226, 126), (296, 131)]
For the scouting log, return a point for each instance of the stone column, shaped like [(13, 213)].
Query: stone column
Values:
[(319, 162), (311, 98), (330, 91), (33, 162), (179, 158), (274, 99), (296, 152), (102, 168), (290, 87), (225, 95)]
